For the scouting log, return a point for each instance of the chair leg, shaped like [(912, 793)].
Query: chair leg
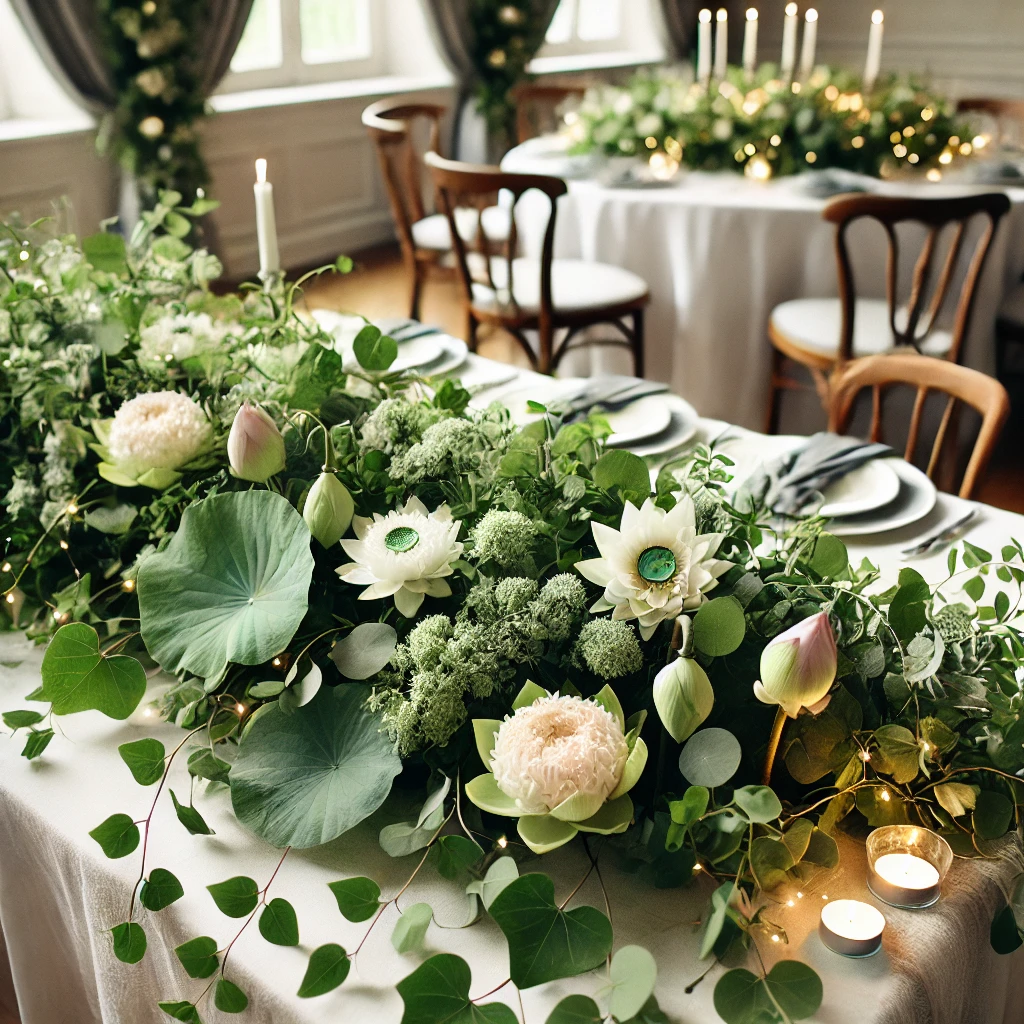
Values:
[(638, 342), (771, 419), (471, 326), (415, 289)]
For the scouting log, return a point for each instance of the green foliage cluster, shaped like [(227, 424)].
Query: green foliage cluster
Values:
[(771, 126)]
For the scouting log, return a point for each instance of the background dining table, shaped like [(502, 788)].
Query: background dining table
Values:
[(59, 896), (718, 252)]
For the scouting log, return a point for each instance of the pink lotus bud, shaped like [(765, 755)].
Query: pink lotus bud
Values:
[(798, 667), (255, 445)]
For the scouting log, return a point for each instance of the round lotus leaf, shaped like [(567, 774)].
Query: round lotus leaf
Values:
[(710, 758), (719, 626)]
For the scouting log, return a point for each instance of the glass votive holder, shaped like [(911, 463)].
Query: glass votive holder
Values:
[(906, 865), (851, 928)]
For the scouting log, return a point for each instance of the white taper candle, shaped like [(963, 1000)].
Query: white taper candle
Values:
[(704, 46), (810, 42), (789, 27), (874, 58), (750, 41), (266, 225), (721, 43)]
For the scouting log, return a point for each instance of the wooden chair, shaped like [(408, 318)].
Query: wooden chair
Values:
[(1004, 112), (960, 384), (424, 237), (545, 295), (821, 334), (537, 105)]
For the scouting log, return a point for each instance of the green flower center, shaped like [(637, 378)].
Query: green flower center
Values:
[(403, 538), (656, 565)]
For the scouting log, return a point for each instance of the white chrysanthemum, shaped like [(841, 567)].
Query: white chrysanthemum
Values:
[(407, 553), (655, 565), (556, 748), (182, 336), (160, 430)]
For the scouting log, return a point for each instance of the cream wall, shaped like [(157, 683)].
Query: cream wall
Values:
[(966, 47)]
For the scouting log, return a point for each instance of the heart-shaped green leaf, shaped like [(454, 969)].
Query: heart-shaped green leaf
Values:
[(544, 942), (633, 973), (796, 987), (454, 854), (624, 470), (160, 890), (232, 585), (235, 897), (438, 990), (411, 928), (118, 836), (129, 942), (328, 968), (303, 779), (181, 1010), (374, 350), (190, 817), (278, 923), (229, 998), (758, 803), (204, 764), (358, 898), (198, 956), (576, 1010), (21, 719), (145, 760), (365, 651), (76, 677), (499, 875)]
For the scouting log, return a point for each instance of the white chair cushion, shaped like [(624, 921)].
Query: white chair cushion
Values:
[(1012, 308), (816, 324), (432, 232), (575, 286)]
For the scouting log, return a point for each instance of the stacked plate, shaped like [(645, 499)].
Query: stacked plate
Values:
[(652, 425)]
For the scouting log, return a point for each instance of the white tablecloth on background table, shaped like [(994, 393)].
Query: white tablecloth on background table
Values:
[(718, 253), (59, 895)]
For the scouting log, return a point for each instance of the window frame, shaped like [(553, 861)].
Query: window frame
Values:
[(575, 46), (293, 71)]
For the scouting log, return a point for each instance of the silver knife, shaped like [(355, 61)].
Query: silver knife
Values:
[(941, 536)]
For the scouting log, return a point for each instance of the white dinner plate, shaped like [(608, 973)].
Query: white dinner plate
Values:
[(916, 498), (869, 486), (517, 396), (453, 355), (681, 428), (638, 421)]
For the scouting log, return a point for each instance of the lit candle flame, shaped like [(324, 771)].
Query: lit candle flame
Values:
[(877, 17)]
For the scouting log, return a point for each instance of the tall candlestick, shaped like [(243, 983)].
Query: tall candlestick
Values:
[(809, 43), (704, 46), (788, 43), (721, 43), (266, 225), (874, 58), (750, 41)]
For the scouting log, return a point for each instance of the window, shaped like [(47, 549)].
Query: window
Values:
[(579, 24), (291, 42)]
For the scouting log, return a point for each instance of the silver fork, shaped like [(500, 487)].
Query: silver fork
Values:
[(941, 536)]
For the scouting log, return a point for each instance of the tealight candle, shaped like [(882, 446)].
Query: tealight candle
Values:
[(851, 928), (906, 865)]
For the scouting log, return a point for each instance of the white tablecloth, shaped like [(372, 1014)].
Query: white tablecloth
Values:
[(59, 895), (719, 252)]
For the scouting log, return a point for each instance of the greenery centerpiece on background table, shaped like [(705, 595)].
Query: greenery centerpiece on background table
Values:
[(351, 576)]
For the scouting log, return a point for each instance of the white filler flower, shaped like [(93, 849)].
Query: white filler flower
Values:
[(407, 553), (655, 565), (160, 430), (556, 748)]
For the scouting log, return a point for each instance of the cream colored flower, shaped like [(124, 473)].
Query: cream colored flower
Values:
[(406, 553), (183, 336), (556, 748), (655, 565)]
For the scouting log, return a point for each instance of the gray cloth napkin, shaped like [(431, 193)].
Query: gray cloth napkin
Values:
[(610, 391), (793, 484), (403, 329)]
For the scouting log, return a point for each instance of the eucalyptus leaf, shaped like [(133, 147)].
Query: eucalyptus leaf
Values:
[(710, 758), (411, 928), (160, 890), (21, 719), (758, 804), (576, 1009), (236, 897), (437, 992), (118, 836), (229, 998), (303, 779), (77, 677), (365, 651), (328, 967), (145, 760), (231, 586), (181, 1010), (633, 973), (205, 764), (278, 923), (190, 817), (374, 350), (129, 942), (499, 875), (993, 813), (198, 956), (358, 898)]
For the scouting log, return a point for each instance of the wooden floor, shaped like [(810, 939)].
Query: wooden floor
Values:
[(377, 287)]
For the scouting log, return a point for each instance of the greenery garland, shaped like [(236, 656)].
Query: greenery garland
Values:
[(274, 434), (765, 126), (152, 50)]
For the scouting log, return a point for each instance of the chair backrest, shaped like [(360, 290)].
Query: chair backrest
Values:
[(391, 123), (537, 105), (462, 185), (917, 319), (959, 383)]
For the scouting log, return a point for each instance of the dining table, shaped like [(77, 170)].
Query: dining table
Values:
[(60, 896), (719, 251)]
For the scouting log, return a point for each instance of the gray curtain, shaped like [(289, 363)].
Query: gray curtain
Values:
[(67, 35), (679, 18), (451, 27)]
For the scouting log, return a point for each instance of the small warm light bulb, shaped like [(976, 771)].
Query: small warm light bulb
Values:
[(811, 157), (927, 114), (502, 842), (823, 896), (722, 15), (909, 131), (886, 796), (751, 14), (857, 141), (899, 151), (865, 755), (261, 170), (10, 599), (775, 938), (56, 616), (795, 87), (704, 16), (148, 713), (791, 10), (934, 174), (954, 140), (72, 509), (775, 140), (913, 158), (799, 895), (877, 17), (6, 567), (965, 149), (811, 15), (276, 663), (790, 903), (63, 545), (128, 585), (980, 141), (240, 708), (23, 255), (945, 157)]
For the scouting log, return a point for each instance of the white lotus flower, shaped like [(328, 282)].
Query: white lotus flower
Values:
[(655, 565), (406, 553), (557, 748)]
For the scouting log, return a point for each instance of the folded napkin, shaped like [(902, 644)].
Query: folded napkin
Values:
[(610, 391), (403, 329), (793, 484), (833, 182)]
